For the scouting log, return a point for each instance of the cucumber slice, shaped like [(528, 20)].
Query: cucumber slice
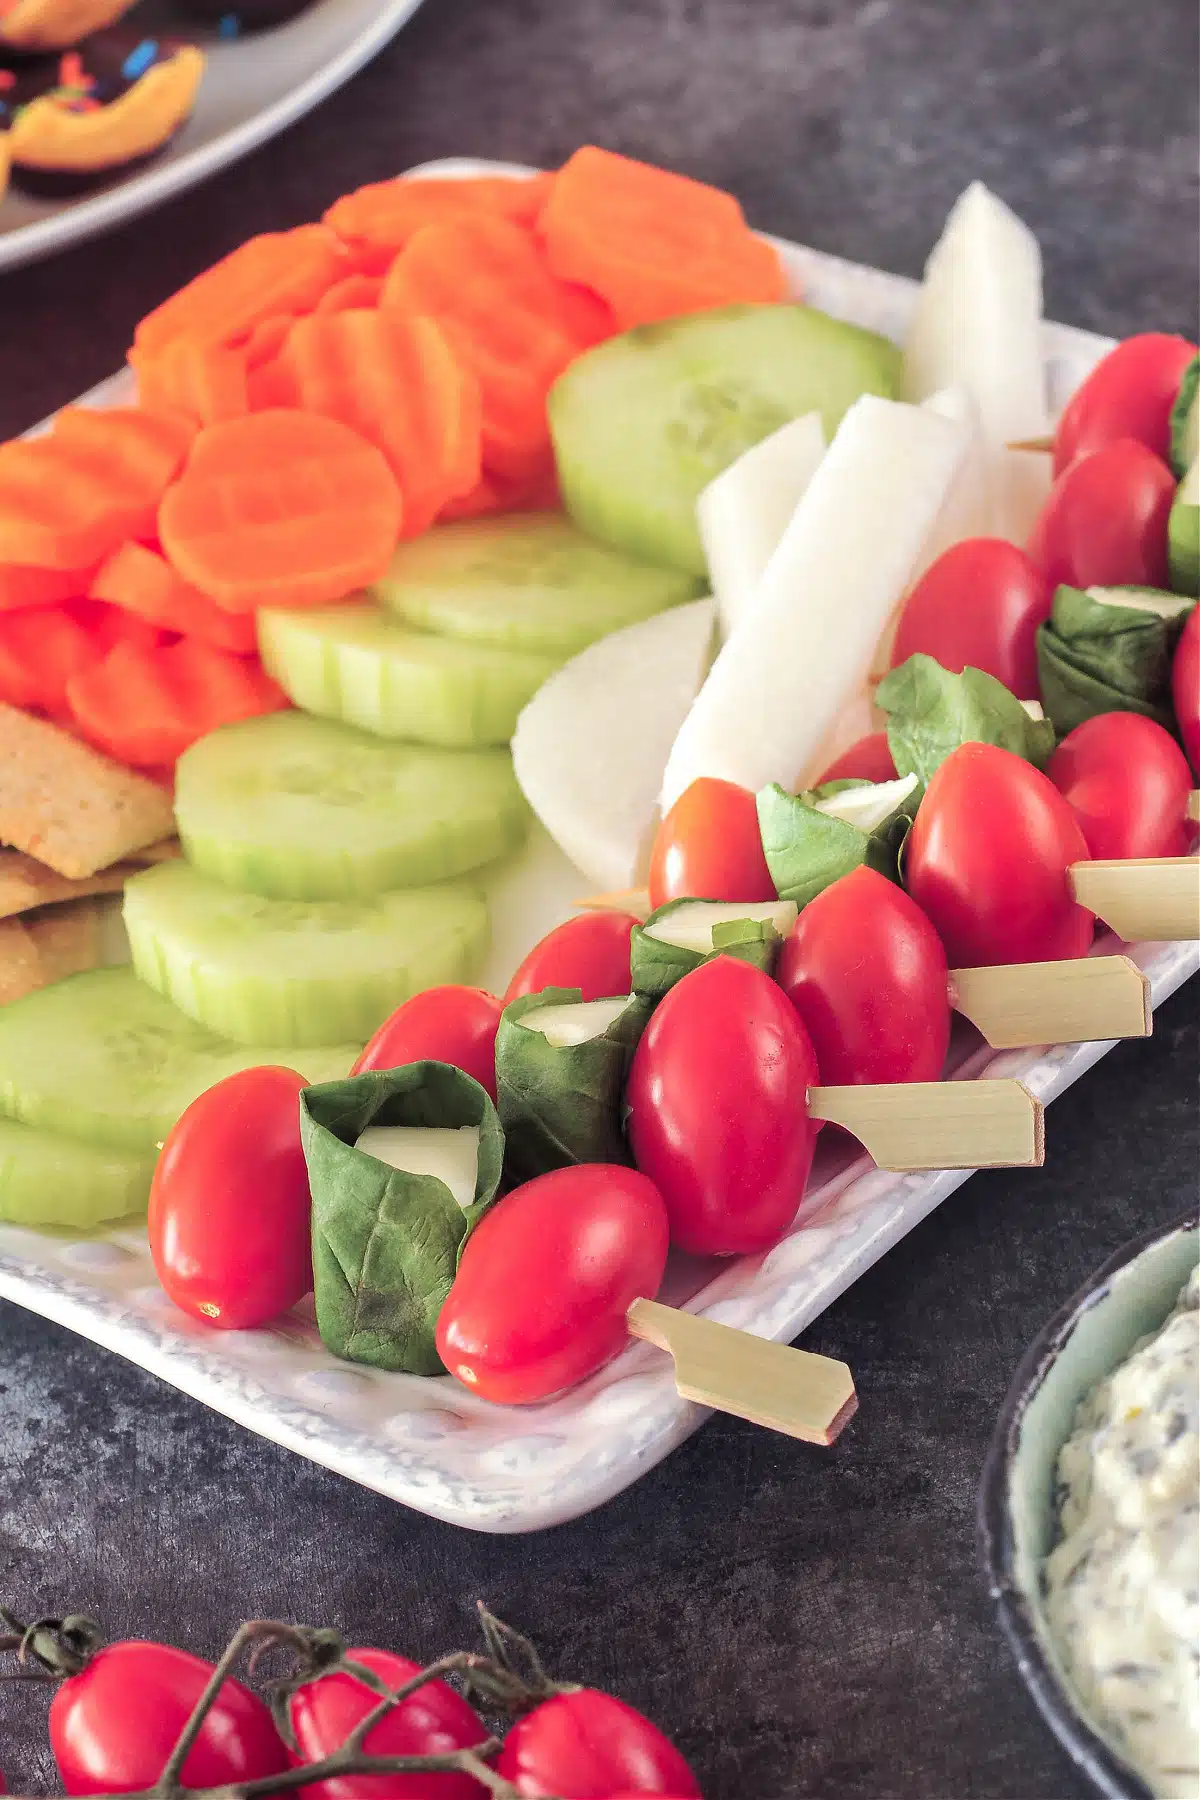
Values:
[(644, 422), (352, 662), (304, 809), (296, 971), (48, 1180), (527, 581), (105, 1060)]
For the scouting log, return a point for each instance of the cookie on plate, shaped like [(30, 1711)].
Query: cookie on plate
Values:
[(31, 26)]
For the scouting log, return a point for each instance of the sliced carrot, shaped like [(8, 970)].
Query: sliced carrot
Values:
[(266, 340), (279, 272), (204, 381), (68, 498), (40, 648), (537, 492), (396, 381), (40, 587), (382, 217), (142, 581), (108, 626), (653, 244), (281, 508), (146, 706), (354, 291)]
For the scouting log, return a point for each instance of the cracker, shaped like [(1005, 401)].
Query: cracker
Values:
[(26, 883), (20, 965), (166, 850), (67, 939), (67, 805)]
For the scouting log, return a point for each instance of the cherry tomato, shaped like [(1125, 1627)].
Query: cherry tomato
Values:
[(708, 847), (1127, 782), (113, 1726), (987, 860), (590, 952), (585, 1745), (868, 760), (1104, 523), (229, 1216), (866, 972), (979, 604), (431, 1722), (448, 1024), (545, 1281), (1128, 395), (1185, 687), (717, 1095)]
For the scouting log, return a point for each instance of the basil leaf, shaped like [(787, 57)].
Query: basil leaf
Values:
[(386, 1244), (931, 712), (1071, 694), (656, 966), (561, 1104), (1122, 647), (1185, 420), (807, 851)]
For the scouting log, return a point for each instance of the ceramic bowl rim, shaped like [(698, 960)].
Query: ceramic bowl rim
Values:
[(1092, 1755)]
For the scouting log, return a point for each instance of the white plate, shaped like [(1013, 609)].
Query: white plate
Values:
[(253, 87), (430, 1443)]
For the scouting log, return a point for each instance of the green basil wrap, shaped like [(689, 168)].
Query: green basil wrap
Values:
[(1109, 650), (681, 935), (386, 1243), (560, 1079), (931, 712), (1185, 420), (1183, 535), (811, 840)]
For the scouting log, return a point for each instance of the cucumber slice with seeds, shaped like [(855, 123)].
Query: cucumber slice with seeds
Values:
[(296, 808), (104, 1059), (49, 1180), (528, 581), (644, 422), (355, 663), (296, 971)]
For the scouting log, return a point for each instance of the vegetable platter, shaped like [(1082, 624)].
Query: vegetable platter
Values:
[(430, 1442)]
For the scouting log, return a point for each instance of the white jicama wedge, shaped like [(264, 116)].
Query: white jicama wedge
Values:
[(1035, 709), (690, 926), (590, 747), (575, 1022), (978, 325), (803, 647), (869, 806), (450, 1154), (1147, 600), (743, 513)]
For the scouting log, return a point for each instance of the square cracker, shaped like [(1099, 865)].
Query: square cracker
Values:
[(67, 805), (68, 938)]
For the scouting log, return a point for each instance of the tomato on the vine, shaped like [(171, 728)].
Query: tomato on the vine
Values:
[(866, 972), (1104, 523), (709, 847), (870, 759), (114, 1725), (1127, 782), (588, 1746), (450, 1024), (1127, 395), (229, 1219), (987, 861), (590, 952), (433, 1721), (546, 1278), (978, 605), (718, 1116), (1185, 687)]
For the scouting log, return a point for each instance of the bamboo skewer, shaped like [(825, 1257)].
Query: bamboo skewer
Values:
[(1037, 443), (908, 1125), (1193, 805), (1018, 1004), (1155, 898), (786, 1390)]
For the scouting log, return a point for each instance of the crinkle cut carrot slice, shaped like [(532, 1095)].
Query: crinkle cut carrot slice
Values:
[(40, 648), (396, 381), (206, 382), (652, 243), (142, 581), (282, 508), (22, 586), (348, 295), (383, 216), (145, 706), (279, 272), (537, 492), (266, 340)]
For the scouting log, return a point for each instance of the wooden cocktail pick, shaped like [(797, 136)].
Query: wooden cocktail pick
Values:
[(787, 1390), (1193, 805), (1142, 898), (909, 1125), (1037, 443)]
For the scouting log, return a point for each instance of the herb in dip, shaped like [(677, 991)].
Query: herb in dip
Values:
[(1122, 1585)]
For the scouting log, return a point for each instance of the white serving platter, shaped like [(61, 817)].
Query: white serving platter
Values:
[(430, 1443), (253, 88)]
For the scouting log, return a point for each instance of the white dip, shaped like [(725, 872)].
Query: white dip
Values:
[(1122, 1594)]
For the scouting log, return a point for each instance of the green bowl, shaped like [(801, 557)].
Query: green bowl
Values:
[(1127, 1299)]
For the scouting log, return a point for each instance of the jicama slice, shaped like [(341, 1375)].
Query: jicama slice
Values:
[(590, 748), (689, 924), (281, 272), (292, 971), (978, 325), (743, 513), (105, 1060), (304, 809), (529, 581), (576, 1021), (449, 1152), (354, 662), (805, 641), (679, 936), (874, 803), (50, 1180)]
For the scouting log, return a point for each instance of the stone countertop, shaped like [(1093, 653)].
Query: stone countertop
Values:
[(802, 1622)]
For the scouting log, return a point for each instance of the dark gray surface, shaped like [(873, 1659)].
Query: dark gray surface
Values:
[(802, 1623)]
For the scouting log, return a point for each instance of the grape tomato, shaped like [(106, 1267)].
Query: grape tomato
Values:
[(590, 952), (1127, 782), (1129, 394), (1185, 688), (589, 1746), (1104, 523), (708, 847), (450, 1024), (978, 605), (870, 759)]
